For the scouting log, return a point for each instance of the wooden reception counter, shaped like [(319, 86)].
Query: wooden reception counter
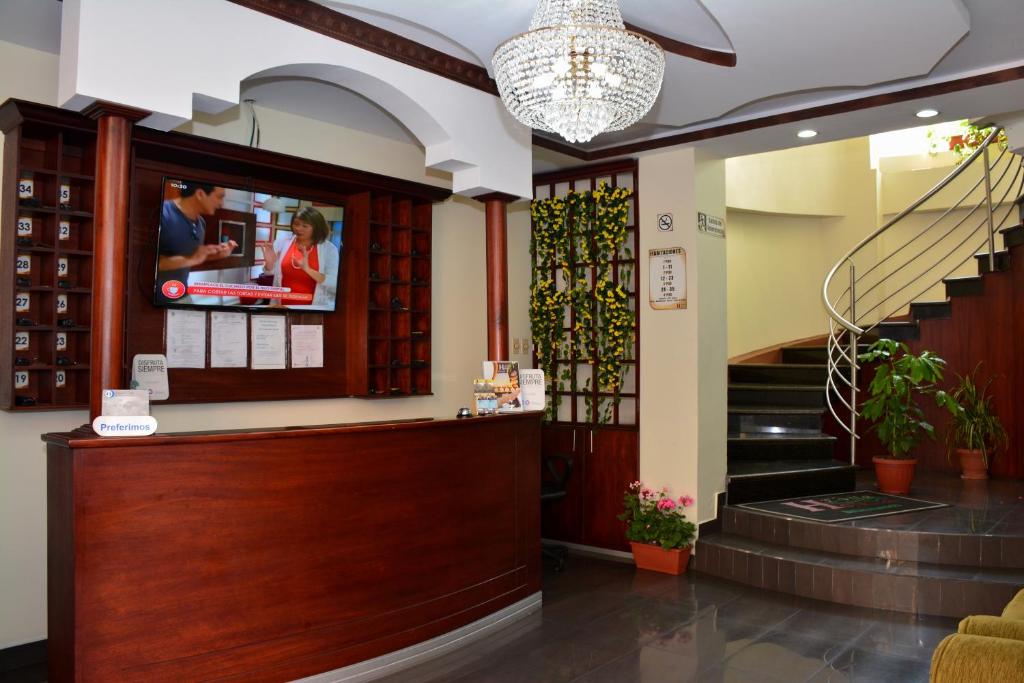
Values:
[(273, 554)]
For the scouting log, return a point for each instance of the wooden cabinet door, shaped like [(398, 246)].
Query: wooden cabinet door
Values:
[(562, 520), (612, 462)]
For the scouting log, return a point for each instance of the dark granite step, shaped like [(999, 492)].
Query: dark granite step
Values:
[(777, 373), (1012, 236), (968, 285), (793, 395), (812, 355), (1002, 260), (763, 446), (898, 585), (922, 310), (772, 419), (753, 480), (947, 535), (899, 330)]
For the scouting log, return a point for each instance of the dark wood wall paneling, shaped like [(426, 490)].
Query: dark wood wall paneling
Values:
[(278, 554)]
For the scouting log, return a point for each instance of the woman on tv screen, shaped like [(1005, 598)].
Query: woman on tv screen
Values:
[(305, 261)]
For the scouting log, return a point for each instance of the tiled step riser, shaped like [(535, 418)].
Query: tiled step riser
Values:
[(777, 374), (1013, 237), (816, 355), (1002, 260), (770, 423), (962, 550), (753, 449), (819, 482), (791, 398), (931, 310), (899, 331), (937, 596)]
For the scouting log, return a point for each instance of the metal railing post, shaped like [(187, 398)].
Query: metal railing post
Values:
[(988, 207), (853, 366)]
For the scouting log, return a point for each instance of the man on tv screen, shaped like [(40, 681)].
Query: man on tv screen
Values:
[(182, 238)]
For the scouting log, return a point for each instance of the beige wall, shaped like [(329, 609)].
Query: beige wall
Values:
[(791, 215), (682, 389), (459, 334)]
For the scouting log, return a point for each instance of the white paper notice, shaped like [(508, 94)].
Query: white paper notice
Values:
[(149, 372), (307, 346), (186, 338), (268, 342), (228, 343)]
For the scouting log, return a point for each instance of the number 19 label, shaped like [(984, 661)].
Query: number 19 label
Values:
[(20, 380)]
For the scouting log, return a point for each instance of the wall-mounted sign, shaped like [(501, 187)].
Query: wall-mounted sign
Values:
[(667, 278), (665, 222), (712, 225)]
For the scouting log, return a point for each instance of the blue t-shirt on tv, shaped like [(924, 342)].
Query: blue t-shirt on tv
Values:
[(178, 237)]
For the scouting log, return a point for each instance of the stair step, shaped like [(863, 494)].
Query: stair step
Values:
[(786, 446), (795, 395), (753, 480), (969, 285), (901, 586), (878, 538), (930, 310), (1013, 236), (810, 355), (899, 330), (752, 420), (1002, 259), (777, 373)]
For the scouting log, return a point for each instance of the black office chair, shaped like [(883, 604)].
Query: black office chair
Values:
[(553, 482)]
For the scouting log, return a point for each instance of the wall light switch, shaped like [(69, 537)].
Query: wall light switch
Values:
[(516, 346)]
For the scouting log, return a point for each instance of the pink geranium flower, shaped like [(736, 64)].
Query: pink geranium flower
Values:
[(686, 501), (666, 504)]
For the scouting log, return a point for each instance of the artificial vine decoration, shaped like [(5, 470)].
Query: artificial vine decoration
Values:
[(583, 235)]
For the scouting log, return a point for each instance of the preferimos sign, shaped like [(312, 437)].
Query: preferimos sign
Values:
[(124, 425)]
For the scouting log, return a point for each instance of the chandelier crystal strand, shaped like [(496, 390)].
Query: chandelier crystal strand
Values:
[(577, 71)]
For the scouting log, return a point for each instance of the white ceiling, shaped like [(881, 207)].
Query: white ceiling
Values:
[(791, 55)]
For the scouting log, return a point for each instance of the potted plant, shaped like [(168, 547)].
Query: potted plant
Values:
[(975, 431), (657, 528), (900, 377)]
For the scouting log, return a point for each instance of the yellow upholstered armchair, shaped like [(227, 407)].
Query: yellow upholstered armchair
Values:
[(984, 648)]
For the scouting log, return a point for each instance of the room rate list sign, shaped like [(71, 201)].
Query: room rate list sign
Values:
[(668, 278)]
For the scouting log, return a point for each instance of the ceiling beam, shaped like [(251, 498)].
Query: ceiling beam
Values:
[(678, 47)]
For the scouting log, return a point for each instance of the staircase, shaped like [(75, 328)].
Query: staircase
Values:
[(936, 563), (776, 446)]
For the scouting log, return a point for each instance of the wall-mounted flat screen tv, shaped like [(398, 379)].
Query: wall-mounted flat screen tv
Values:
[(224, 247)]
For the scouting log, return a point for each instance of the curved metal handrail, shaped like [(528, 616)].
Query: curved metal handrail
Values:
[(847, 324)]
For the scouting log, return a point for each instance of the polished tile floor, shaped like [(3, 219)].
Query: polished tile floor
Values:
[(607, 622)]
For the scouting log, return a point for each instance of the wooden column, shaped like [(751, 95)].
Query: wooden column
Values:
[(110, 239), (495, 205)]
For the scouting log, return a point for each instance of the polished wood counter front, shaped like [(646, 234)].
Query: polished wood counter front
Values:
[(281, 553)]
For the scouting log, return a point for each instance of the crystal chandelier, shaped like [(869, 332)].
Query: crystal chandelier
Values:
[(578, 71)]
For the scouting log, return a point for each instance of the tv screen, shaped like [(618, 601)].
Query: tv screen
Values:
[(224, 247)]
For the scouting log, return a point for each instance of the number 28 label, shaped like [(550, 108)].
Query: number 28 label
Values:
[(24, 264)]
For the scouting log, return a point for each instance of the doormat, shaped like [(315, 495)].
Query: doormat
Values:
[(841, 507)]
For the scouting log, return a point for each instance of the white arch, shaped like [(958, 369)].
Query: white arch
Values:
[(169, 58)]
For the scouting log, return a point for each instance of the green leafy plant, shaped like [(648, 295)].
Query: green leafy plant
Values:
[(656, 518), (900, 378), (975, 426)]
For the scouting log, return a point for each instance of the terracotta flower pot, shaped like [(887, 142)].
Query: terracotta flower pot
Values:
[(972, 463), (657, 559), (894, 474)]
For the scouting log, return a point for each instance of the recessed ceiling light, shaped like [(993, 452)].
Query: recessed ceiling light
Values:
[(927, 113), (807, 133)]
